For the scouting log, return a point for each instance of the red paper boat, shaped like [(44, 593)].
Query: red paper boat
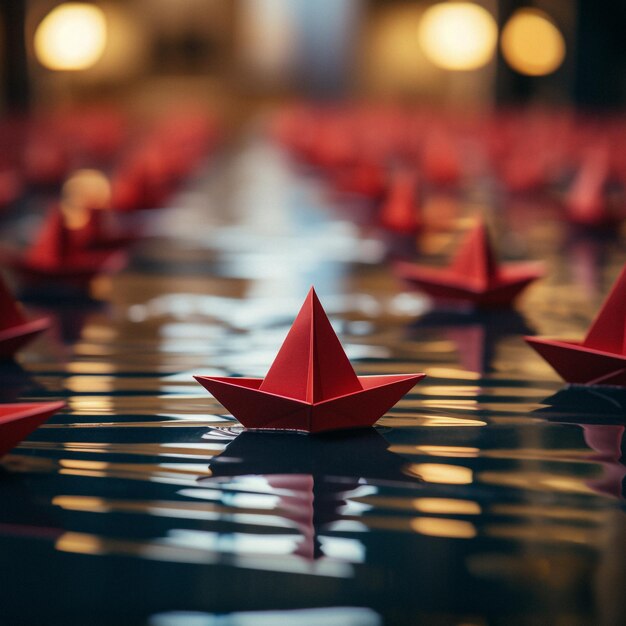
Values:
[(311, 385), (15, 329), (600, 359), (56, 256), (400, 211), (17, 421), (586, 202), (364, 178), (474, 277)]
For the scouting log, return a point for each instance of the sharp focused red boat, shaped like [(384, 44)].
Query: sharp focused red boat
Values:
[(17, 421), (311, 386)]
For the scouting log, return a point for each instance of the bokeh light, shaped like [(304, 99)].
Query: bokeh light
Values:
[(71, 37), (458, 35), (531, 44), (87, 188)]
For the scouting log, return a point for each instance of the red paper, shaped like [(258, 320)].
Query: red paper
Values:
[(586, 202), (58, 254), (364, 178), (474, 277), (400, 211), (17, 421), (600, 359), (311, 385), (15, 329)]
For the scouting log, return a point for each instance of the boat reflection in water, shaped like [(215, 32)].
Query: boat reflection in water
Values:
[(475, 334), (601, 413), (314, 478)]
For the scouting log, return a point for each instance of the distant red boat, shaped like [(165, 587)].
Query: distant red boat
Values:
[(54, 257), (600, 359), (474, 277), (587, 203), (15, 330), (400, 211), (17, 421), (311, 386)]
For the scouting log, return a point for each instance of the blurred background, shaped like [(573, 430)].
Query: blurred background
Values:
[(237, 52), (286, 143)]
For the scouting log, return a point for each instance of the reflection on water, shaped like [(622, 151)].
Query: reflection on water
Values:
[(600, 414), (314, 480), (489, 491), (475, 335), (340, 616)]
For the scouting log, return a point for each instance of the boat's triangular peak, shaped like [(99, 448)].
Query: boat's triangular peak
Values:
[(475, 259), (608, 331), (311, 364)]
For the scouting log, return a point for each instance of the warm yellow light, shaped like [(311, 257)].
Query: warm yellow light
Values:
[(458, 35), (442, 473), (532, 44), (87, 189), (438, 527), (71, 37)]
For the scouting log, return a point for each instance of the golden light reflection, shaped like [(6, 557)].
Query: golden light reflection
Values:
[(432, 421), (531, 44), (536, 481), (94, 384), (80, 543), (436, 527), (80, 503), (72, 36), (450, 372), (90, 404), (442, 473), (447, 451), (446, 506), (545, 533), (458, 35), (78, 464)]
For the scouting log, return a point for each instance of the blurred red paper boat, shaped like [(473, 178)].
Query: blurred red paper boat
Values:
[(311, 386), (364, 178), (55, 256), (400, 210), (474, 277), (600, 359), (17, 421), (586, 202), (15, 329)]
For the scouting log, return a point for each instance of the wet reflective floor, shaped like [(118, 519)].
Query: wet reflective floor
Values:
[(491, 494)]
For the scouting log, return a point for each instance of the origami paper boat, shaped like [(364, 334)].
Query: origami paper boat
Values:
[(474, 277), (76, 270), (586, 202), (600, 359), (311, 386), (17, 421), (55, 257), (400, 212), (15, 329)]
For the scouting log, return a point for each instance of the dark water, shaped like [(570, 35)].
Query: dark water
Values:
[(489, 495)]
